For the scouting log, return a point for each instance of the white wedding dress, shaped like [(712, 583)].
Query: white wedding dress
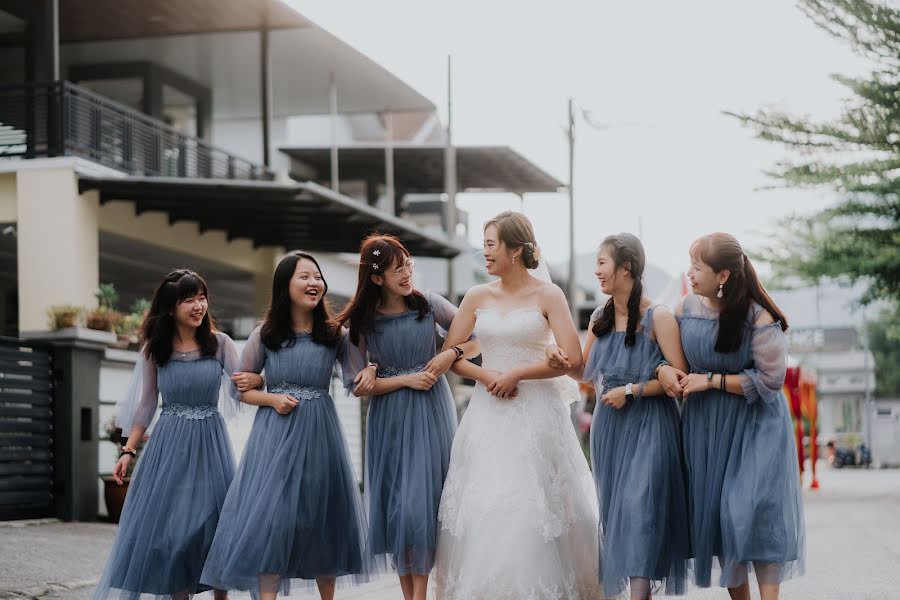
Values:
[(518, 514)]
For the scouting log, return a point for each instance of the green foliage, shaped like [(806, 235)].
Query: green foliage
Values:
[(884, 342), (856, 155)]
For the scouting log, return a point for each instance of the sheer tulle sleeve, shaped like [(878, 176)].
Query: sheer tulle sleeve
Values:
[(590, 372), (229, 396), (353, 359), (138, 406), (443, 311), (764, 380), (253, 358)]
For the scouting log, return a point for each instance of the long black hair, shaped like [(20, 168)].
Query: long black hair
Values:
[(278, 327), (158, 328), (627, 252), (722, 251), (377, 253)]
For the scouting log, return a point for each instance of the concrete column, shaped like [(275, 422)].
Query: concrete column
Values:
[(76, 363), (267, 260), (58, 245)]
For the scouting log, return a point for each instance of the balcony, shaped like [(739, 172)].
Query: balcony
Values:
[(59, 118)]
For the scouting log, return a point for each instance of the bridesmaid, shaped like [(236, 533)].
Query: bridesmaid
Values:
[(412, 417), (294, 510), (178, 488), (743, 477), (636, 431)]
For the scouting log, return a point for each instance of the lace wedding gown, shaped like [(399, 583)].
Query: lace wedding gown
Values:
[(518, 513)]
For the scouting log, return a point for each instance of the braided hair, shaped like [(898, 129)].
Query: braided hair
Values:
[(627, 252)]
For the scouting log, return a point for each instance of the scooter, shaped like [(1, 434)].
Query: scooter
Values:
[(843, 457)]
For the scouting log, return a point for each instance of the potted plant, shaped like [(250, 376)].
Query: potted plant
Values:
[(62, 316), (113, 493), (128, 327), (105, 316)]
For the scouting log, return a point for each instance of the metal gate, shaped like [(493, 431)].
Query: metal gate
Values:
[(26, 430)]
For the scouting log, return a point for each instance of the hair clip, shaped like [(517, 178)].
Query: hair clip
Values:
[(376, 252), (375, 266)]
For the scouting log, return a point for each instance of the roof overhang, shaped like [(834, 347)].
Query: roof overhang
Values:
[(292, 215), (420, 168), (216, 43)]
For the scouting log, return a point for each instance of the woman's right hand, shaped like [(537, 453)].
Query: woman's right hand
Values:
[(422, 381), (489, 376), (670, 378), (121, 468), (556, 357), (283, 404)]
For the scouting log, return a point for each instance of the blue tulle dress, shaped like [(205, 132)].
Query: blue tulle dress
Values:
[(409, 434), (743, 479), (181, 477), (637, 463), (294, 511)]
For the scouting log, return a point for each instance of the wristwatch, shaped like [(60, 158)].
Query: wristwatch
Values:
[(459, 352), (629, 395)]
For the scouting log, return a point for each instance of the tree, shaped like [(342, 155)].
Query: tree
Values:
[(857, 155), (884, 342)]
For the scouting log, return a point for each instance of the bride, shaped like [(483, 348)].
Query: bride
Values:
[(518, 514)]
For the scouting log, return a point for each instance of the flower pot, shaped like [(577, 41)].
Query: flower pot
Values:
[(114, 495), (100, 322)]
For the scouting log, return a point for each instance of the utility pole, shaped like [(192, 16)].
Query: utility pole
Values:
[(450, 181), (572, 287)]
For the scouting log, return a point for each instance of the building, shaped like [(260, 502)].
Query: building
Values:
[(149, 139)]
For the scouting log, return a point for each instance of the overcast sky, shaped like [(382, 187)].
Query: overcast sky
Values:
[(659, 74)]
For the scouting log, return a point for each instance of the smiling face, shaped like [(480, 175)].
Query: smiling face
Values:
[(397, 279), (190, 311), (606, 272), (307, 286), (704, 280), (498, 258)]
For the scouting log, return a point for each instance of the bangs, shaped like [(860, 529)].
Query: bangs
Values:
[(391, 253), (700, 250), (188, 286)]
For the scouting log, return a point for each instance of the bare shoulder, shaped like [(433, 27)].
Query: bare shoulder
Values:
[(764, 317), (476, 296), (662, 315), (551, 295)]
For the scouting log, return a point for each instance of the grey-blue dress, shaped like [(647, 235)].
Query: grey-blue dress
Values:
[(743, 479), (294, 511), (409, 434), (181, 477), (637, 463)]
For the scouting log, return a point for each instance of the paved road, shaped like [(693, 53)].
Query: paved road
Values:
[(853, 549)]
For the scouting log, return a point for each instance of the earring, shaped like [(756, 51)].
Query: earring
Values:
[(514, 259), (721, 293)]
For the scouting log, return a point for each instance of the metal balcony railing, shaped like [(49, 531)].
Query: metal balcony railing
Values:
[(61, 119)]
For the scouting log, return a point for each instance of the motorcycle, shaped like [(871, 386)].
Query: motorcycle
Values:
[(847, 457)]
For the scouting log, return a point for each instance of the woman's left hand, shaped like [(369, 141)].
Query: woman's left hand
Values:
[(441, 362), (247, 381), (364, 382), (693, 383), (614, 397), (504, 386)]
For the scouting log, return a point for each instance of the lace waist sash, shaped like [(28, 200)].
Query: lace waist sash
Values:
[(192, 412), (300, 392)]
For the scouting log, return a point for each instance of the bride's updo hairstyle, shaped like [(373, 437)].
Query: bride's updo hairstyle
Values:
[(514, 229), (627, 252)]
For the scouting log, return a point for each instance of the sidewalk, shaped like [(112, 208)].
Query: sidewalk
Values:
[(853, 549)]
